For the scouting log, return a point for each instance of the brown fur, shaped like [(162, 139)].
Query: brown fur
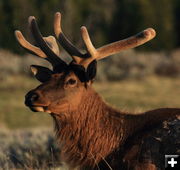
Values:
[(95, 130), (90, 131)]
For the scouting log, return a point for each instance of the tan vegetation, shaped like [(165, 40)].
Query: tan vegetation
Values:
[(127, 64)]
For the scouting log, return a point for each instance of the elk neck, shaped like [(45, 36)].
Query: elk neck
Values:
[(88, 134), (94, 130)]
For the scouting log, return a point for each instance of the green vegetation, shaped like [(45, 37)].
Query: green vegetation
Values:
[(130, 95), (115, 19)]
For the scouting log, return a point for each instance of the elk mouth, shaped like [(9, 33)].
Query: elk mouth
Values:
[(31, 100), (35, 108)]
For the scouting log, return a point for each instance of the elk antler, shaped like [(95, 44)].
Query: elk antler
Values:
[(113, 48), (63, 40), (48, 48), (102, 52), (25, 44)]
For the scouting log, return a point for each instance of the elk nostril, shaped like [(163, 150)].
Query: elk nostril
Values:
[(30, 98), (34, 97)]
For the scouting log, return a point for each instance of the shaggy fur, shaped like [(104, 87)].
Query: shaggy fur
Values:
[(95, 130)]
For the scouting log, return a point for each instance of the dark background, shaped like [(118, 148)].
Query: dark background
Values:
[(107, 20)]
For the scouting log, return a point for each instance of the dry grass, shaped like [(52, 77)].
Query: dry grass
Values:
[(13, 113), (29, 149), (134, 95)]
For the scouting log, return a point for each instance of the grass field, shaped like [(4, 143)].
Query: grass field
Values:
[(130, 95)]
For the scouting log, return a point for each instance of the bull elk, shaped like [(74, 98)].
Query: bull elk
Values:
[(90, 132)]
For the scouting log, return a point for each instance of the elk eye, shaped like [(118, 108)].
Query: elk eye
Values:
[(71, 81)]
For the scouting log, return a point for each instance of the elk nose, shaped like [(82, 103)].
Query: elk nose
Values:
[(30, 98)]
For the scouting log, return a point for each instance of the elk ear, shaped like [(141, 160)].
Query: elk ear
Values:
[(91, 70), (42, 74)]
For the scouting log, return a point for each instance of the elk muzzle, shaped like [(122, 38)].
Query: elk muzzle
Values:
[(33, 101)]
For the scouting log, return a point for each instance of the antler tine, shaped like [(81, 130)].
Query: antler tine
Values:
[(26, 45), (66, 44), (90, 48), (130, 42), (52, 57), (115, 47)]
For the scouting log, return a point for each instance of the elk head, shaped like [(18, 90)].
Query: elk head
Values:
[(64, 86)]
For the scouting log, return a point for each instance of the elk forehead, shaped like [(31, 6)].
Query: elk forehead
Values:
[(84, 74)]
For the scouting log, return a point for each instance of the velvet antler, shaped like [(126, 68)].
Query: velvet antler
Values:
[(102, 52)]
